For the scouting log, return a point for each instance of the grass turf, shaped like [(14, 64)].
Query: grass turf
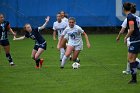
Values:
[(100, 70)]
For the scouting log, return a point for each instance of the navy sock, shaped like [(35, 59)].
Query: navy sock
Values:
[(37, 62), (133, 68), (8, 56)]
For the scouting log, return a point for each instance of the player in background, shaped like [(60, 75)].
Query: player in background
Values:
[(59, 27), (75, 43), (124, 25), (40, 43), (134, 47), (64, 16), (4, 42)]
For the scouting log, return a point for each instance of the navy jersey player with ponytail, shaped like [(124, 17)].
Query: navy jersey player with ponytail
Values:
[(134, 34)]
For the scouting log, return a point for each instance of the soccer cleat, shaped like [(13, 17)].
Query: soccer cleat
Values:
[(126, 72), (62, 67), (12, 65), (41, 62), (132, 82), (78, 60)]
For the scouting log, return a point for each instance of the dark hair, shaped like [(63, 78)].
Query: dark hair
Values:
[(127, 6), (72, 18), (133, 8)]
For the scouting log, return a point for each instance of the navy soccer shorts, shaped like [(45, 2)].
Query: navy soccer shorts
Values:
[(134, 48), (4, 42)]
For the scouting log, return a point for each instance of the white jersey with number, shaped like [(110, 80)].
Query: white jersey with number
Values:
[(59, 27), (74, 35)]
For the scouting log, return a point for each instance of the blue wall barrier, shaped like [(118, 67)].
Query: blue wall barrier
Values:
[(87, 12)]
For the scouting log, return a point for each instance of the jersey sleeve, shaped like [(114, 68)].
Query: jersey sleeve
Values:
[(27, 35), (130, 19), (80, 30), (37, 29), (54, 26), (124, 24)]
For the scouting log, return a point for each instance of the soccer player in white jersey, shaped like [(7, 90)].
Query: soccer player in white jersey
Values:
[(124, 25), (59, 27), (75, 43)]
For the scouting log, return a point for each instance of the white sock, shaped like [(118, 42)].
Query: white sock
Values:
[(128, 66), (62, 53), (63, 61)]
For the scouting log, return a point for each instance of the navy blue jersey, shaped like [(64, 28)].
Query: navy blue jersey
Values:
[(4, 28), (135, 36), (35, 35)]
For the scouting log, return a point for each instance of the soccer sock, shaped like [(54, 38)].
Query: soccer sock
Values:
[(133, 68), (63, 61), (37, 62), (128, 66), (8, 56), (62, 52)]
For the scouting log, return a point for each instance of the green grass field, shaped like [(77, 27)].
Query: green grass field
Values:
[(100, 71)]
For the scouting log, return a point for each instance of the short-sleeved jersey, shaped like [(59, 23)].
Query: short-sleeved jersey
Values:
[(4, 28), (74, 35), (135, 36), (59, 27), (35, 35)]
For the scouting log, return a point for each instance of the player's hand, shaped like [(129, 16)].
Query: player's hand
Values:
[(125, 40), (47, 19), (14, 38), (88, 45)]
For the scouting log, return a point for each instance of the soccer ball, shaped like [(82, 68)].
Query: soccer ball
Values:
[(75, 65)]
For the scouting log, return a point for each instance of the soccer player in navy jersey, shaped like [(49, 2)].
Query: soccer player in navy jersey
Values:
[(124, 25), (40, 43), (134, 35), (4, 42)]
